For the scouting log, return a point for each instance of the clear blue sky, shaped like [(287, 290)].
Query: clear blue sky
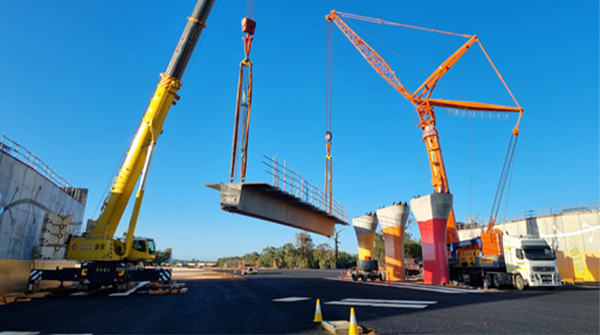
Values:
[(77, 76)]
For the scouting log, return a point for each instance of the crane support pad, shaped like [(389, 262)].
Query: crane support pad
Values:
[(266, 202)]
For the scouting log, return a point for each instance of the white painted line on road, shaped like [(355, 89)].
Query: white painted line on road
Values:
[(291, 299), (124, 294), (392, 301), (356, 303), (419, 287), (426, 288), (461, 290)]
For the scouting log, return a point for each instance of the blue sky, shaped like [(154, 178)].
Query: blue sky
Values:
[(77, 76)]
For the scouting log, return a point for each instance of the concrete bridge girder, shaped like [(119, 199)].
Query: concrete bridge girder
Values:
[(266, 202)]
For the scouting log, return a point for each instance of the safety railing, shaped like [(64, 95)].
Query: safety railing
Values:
[(16, 150), (475, 220), (293, 183)]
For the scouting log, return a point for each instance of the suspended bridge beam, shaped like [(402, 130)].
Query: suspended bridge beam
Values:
[(298, 208)]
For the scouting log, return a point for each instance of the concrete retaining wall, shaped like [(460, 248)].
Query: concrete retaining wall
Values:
[(25, 197), (574, 236)]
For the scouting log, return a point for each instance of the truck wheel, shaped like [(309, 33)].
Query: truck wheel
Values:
[(519, 282), (496, 281), (488, 280), (354, 277), (364, 277), (381, 277)]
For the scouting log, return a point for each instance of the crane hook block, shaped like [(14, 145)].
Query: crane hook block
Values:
[(248, 26)]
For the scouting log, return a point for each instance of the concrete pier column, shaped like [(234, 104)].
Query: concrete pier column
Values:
[(432, 212), (393, 222), (365, 227)]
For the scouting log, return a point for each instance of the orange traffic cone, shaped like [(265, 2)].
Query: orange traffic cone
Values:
[(485, 284), (318, 316), (353, 330)]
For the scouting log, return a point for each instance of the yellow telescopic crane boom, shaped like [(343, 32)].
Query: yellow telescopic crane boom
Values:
[(420, 99), (139, 156)]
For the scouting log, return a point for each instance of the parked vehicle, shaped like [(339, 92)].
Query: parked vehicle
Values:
[(497, 260), (367, 269)]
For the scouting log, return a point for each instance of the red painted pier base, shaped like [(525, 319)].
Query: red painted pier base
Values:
[(432, 212)]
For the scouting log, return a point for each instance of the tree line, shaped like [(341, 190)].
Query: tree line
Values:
[(304, 255)]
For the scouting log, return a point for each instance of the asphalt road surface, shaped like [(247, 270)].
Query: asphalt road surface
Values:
[(246, 306)]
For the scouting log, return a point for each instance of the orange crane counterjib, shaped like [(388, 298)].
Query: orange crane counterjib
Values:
[(475, 106)]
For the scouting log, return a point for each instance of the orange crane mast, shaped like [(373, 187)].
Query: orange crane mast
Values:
[(421, 99)]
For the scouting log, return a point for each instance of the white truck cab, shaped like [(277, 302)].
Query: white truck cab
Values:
[(531, 261)]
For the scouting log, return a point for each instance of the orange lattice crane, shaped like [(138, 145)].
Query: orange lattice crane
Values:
[(421, 98)]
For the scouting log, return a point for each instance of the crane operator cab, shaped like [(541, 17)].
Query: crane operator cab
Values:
[(142, 249)]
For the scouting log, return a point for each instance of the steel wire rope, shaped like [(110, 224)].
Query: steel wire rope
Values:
[(504, 175), (510, 180), (470, 171), (250, 9)]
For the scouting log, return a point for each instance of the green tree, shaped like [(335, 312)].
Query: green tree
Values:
[(304, 246), (346, 260), (268, 256), (290, 256), (323, 256), (413, 248), (163, 256), (379, 249)]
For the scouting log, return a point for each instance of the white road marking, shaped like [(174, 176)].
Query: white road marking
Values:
[(356, 303), (419, 287), (291, 299), (392, 301)]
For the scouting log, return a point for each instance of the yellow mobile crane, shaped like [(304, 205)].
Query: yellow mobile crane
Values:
[(105, 259)]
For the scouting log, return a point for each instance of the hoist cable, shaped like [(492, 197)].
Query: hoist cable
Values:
[(329, 76), (470, 170), (250, 9), (504, 175), (510, 181)]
